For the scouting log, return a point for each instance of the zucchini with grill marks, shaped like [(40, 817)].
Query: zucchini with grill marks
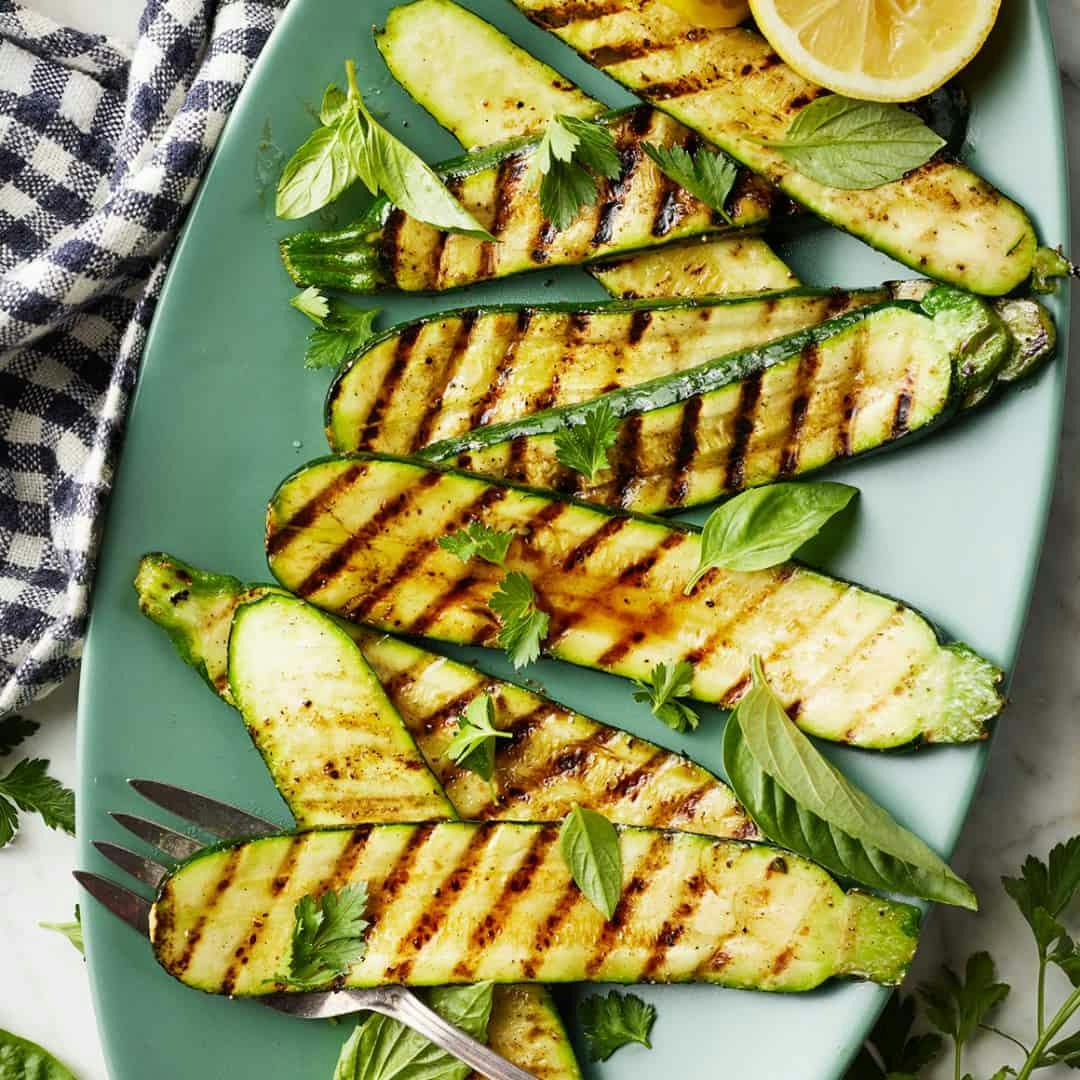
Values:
[(941, 219), (555, 758), (358, 535), (467, 901), (641, 208)]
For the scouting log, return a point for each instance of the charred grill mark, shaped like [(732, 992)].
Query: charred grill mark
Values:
[(903, 411), (438, 907), (606, 55), (667, 938), (359, 606), (435, 610), (742, 429), (579, 554), (457, 353), (560, 15), (442, 716), (405, 342), (809, 360), (510, 171), (639, 323), (685, 810), (517, 884), (629, 785), (640, 120), (667, 91), (210, 903), (307, 513), (454, 185), (851, 393), (624, 459), (685, 452), (618, 649), (390, 247), (669, 207), (560, 913), (484, 408), (544, 517), (783, 958), (634, 574), (399, 873), (629, 159), (544, 237), (515, 461), (338, 560), (633, 889)]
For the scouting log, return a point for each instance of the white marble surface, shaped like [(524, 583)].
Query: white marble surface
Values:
[(1029, 800)]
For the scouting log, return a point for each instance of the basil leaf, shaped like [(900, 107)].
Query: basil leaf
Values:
[(590, 846), (335, 104), (764, 526), (317, 173), (800, 800), (855, 145), (20, 1058)]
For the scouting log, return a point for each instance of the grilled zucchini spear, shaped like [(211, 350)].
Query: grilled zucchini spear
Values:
[(358, 535), (468, 901), (555, 758), (729, 86), (513, 95), (641, 208), (707, 400)]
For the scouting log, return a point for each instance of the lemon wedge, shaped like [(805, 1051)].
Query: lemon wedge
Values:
[(712, 13), (877, 50)]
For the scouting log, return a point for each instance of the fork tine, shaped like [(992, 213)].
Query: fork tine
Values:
[(138, 866), (125, 904), (166, 840), (223, 820)]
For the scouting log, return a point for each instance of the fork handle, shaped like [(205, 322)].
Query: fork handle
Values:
[(412, 1012)]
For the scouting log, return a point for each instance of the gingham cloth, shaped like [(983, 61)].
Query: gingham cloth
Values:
[(101, 150)]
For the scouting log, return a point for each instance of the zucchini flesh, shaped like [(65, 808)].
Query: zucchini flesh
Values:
[(481, 86), (557, 757), (641, 208), (358, 536), (712, 266), (942, 219), (466, 901), (526, 1028), (333, 741), (438, 378)]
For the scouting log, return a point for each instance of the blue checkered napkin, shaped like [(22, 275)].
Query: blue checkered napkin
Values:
[(100, 155)]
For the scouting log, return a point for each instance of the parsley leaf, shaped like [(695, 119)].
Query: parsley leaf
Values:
[(13, 730), (327, 937), (665, 686), (473, 747), (352, 145), (590, 847), (1049, 886), (311, 303), (478, 541), (384, 1049), (708, 175), (955, 1006), (71, 930), (899, 1053), (584, 446), (611, 1022), (29, 787), (569, 157), (524, 625)]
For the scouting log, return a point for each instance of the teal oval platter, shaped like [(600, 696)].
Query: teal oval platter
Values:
[(224, 409)]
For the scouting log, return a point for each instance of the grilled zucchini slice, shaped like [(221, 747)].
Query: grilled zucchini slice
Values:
[(358, 535), (641, 208), (467, 901), (333, 741), (556, 757), (526, 1028), (942, 219)]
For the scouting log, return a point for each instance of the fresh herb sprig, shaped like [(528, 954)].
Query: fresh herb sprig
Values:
[(15, 729), (327, 937), (803, 802), (892, 1052), (71, 930), (590, 847), (30, 788), (609, 1023), (524, 625), (478, 541), (666, 685), (21, 1059), (340, 329), (568, 159), (708, 175), (764, 526), (351, 145), (855, 145), (473, 746), (584, 447)]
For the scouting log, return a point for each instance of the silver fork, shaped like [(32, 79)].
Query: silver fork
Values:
[(231, 823)]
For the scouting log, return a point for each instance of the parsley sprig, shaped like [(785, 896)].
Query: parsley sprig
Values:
[(569, 157), (524, 625), (327, 937), (584, 446), (28, 787), (611, 1022), (473, 747), (708, 175), (666, 685), (340, 329), (478, 541)]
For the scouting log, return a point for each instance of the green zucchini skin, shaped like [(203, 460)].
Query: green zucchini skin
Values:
[(556, 757), (358, 536), (942, 219), (331, 738), (466, 901), (640, 209)]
